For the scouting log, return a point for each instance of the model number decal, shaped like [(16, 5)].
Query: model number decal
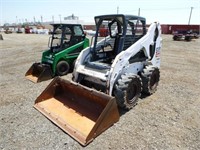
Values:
[(158, 52)]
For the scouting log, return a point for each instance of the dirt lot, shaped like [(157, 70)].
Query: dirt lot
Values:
[(169, 119)]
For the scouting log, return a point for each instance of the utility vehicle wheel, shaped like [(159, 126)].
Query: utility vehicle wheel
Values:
[(175, 38), (188, 38), (128, 90), (1, 37), (150, 78), (62, 68)]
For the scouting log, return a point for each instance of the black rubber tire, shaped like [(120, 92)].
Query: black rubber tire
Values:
[(150, 79), (1, 37), (127, 90), (175, 38), (62, 68), (188, 38)]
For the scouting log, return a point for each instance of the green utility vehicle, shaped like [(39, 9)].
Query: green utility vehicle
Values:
[(66, 42)]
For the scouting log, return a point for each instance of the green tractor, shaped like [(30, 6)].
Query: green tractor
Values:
[(66, 42)]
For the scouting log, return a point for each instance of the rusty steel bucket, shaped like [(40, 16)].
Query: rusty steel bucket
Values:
[(81, 112), (39, 72)]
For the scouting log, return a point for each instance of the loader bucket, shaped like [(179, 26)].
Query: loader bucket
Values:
[(81, 112), (39, 72)]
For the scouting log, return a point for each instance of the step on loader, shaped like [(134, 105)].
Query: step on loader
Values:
[(111, 73), (65, 44)]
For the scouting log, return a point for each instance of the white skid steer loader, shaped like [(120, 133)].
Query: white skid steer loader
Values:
[(123, 62)]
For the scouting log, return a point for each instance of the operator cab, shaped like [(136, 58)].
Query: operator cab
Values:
[(114, 34), (64, 36)]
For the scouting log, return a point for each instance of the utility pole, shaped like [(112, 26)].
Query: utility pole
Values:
[(41, 19), (60, 18), (139, 12), (34, 19), (53, 19), (16, 20), (190, 15), (15, 25), (117, 9)]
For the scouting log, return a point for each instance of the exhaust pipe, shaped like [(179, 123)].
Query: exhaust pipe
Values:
[(81, 112)]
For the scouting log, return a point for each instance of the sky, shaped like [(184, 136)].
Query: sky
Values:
[(166, 12)]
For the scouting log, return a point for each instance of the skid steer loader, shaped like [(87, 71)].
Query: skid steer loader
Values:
[(65, 44), (112, 72)]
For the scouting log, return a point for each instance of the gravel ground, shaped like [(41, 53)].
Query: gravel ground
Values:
[(168, 119)]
